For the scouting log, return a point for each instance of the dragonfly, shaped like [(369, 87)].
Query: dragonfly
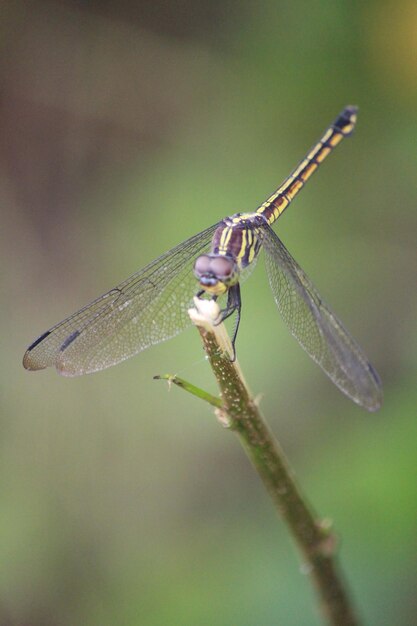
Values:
[(152, 305)]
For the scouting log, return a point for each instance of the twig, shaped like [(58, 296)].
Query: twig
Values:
[(240, 413)]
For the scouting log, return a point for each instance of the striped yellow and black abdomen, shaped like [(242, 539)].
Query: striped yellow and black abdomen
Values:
[(278, 202)]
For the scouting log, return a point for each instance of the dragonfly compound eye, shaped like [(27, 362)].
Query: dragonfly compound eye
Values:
[(222, 267), (202, 265), (215, 273)]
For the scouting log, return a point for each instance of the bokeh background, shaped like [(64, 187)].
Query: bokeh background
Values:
[(124, 129)]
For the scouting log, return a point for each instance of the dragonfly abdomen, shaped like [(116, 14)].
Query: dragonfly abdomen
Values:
[(343, 126)]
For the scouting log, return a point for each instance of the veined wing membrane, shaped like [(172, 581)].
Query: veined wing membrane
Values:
[(143, 310), (317, 329)]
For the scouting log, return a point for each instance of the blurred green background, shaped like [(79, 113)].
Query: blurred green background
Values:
[(124, 129)]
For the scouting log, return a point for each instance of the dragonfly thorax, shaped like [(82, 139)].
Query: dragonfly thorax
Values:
[(216, 273)]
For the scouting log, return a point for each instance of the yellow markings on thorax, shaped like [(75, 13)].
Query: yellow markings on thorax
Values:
[(238, 241), (224, 239), (252, 246), (243, 245), (246, 253)]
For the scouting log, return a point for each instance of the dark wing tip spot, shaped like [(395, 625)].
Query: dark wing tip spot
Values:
[(372, 396), (38, 340), (69, 340), (375, 376)]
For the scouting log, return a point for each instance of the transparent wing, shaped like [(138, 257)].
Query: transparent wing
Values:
[(145, 309), (317, 329)]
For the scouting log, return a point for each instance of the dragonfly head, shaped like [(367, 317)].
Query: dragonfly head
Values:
[(216, 273)]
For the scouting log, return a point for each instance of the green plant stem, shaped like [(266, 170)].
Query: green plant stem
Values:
[(241, 413), (195, 391)]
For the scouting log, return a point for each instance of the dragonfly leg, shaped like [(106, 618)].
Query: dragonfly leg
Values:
[(234, 303)]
